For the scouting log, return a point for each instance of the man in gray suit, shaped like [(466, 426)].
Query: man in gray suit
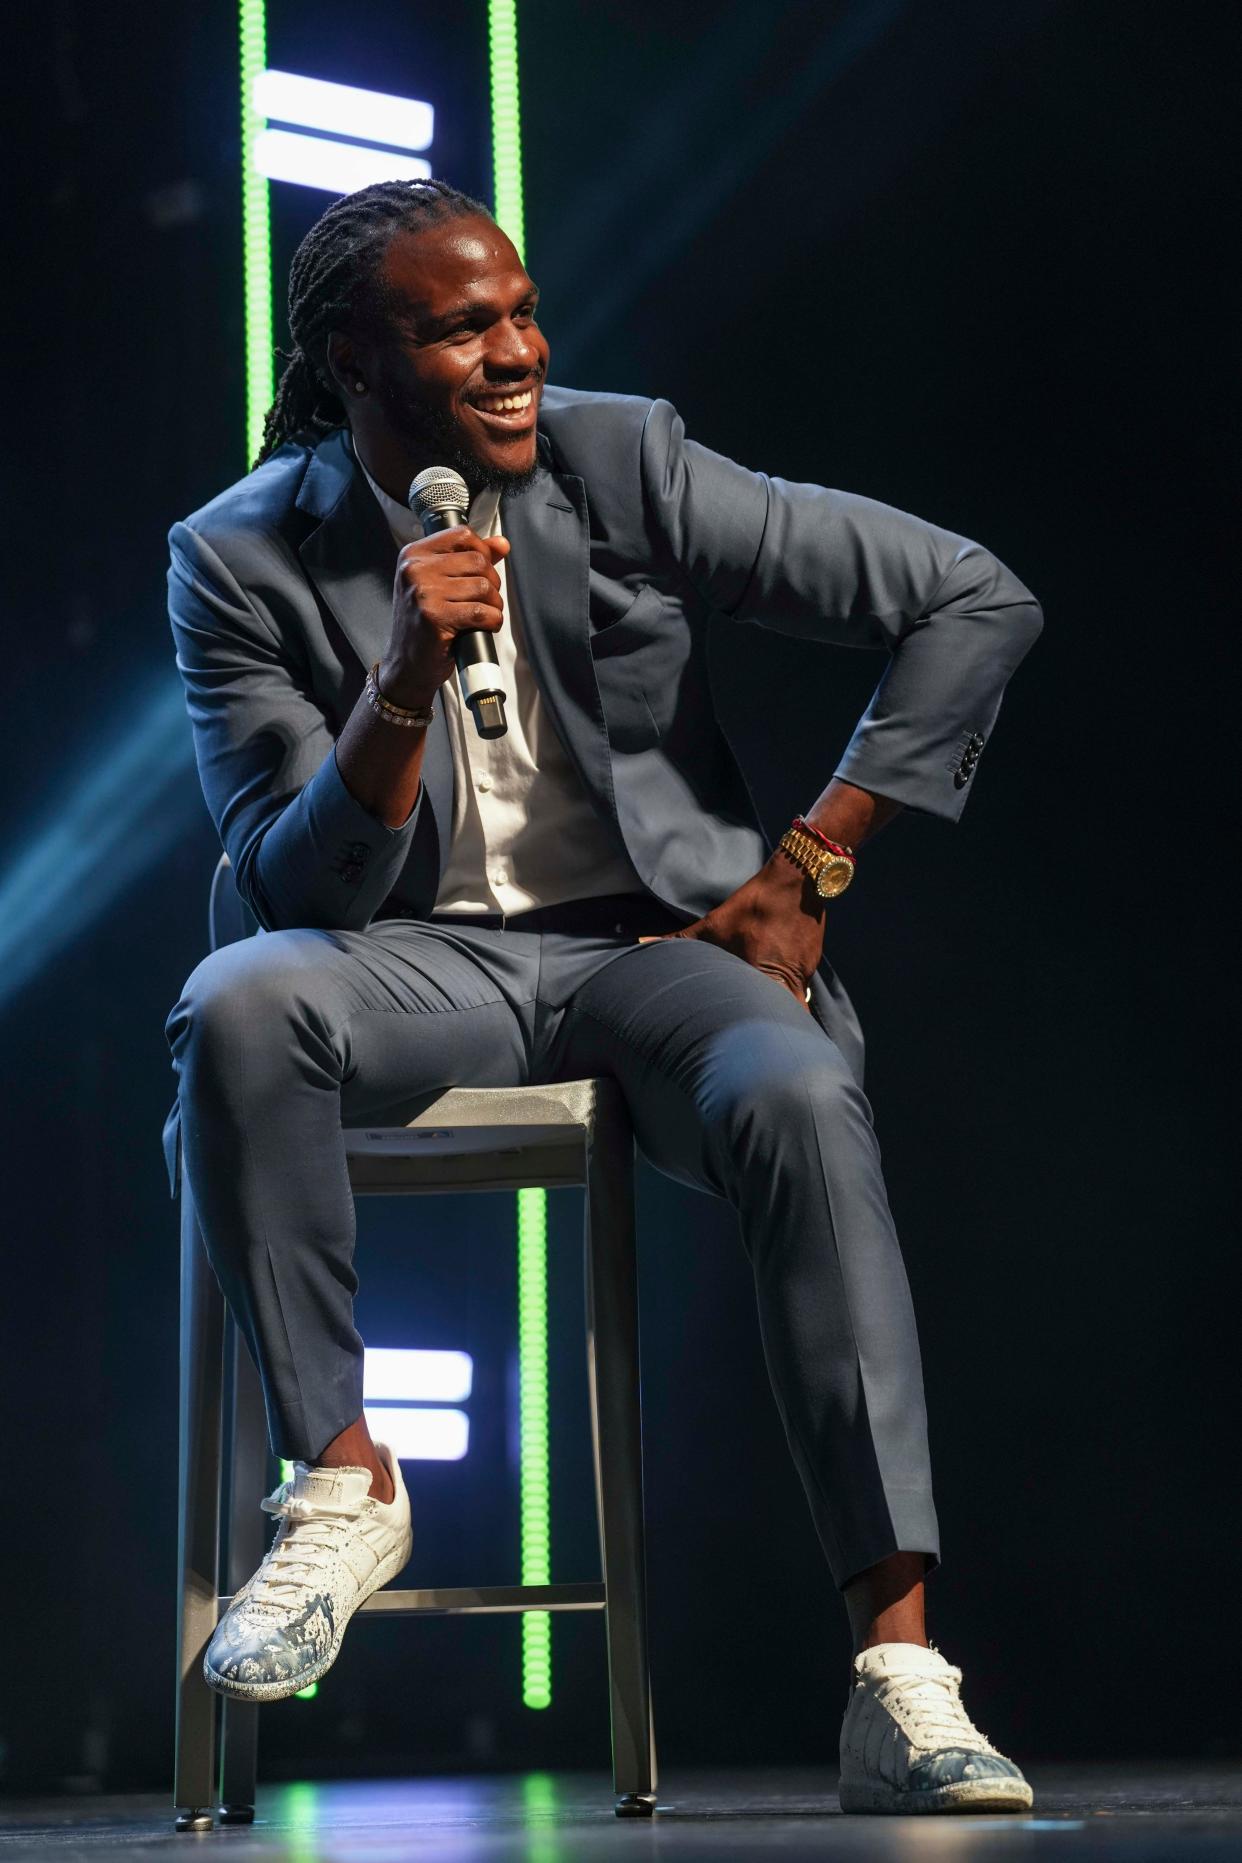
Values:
[(589, 894)]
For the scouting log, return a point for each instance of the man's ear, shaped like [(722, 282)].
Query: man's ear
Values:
[(345, 365)]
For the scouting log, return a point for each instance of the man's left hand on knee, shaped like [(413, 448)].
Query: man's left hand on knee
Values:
[(774, 921)]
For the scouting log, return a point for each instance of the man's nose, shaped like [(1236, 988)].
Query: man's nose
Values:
[(513, 349)]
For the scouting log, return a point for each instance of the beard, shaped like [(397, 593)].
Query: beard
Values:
[(432, 430)]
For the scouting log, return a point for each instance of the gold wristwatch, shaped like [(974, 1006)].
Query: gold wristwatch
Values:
[(829, 865)]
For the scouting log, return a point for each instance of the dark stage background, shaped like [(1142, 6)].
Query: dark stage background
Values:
[(965, 258)]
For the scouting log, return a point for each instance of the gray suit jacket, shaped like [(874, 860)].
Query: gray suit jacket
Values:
[(631, 543)]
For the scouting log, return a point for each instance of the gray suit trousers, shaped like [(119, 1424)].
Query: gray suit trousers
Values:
[(733, 1088)]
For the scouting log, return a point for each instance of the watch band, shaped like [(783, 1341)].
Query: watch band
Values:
[(826, 863)]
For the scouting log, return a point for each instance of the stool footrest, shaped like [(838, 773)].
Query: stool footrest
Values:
[(462, 1600)]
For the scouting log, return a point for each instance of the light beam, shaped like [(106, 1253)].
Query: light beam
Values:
[(128, 805)]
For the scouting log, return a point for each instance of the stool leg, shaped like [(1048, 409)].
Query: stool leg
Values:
[(239, 1720), (198, 1524), (613, 1375)]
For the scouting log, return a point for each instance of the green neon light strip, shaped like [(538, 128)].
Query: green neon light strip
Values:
[(256, 232), (532, 1212), (506, 120), (533, 1439)]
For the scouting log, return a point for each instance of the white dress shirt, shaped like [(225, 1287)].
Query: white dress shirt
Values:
[(524, 832)]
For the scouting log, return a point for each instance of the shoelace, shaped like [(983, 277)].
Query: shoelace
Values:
[(302, 1548), (932, 1711)]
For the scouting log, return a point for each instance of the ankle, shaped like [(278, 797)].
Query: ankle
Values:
[(383, 1487), (353, 1448), (885, 1604)]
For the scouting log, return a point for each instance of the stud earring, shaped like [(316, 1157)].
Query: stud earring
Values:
[(360, 388)]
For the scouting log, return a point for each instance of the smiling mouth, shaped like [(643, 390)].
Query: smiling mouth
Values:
[(506, 413)]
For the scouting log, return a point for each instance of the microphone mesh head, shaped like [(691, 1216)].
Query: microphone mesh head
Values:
[(438, 489)]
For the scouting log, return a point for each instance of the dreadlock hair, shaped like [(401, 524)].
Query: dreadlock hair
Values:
[(336, 283)]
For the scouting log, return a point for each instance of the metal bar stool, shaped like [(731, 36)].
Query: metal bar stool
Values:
[(577, 1132)]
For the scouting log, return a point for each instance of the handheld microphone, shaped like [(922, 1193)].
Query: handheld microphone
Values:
[(439, 500)]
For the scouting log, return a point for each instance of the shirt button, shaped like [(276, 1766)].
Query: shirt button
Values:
[(500, 877), (485, 783)]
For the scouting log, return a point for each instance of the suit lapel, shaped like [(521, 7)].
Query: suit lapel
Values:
[(549, 569), (350, 558)]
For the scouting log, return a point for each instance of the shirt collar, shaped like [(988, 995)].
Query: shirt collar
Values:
[(403, 524)]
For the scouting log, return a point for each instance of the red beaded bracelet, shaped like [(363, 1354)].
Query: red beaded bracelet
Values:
[(834, 847)]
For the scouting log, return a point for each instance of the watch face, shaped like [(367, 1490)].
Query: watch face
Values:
[(834, 877)]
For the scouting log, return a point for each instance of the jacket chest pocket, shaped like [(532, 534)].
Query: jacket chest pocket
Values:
[(639, 661)]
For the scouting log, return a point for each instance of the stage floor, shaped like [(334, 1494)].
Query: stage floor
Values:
[(1150, 1813)]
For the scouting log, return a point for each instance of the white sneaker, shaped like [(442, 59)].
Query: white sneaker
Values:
[(335, 1545), (908, 1745)]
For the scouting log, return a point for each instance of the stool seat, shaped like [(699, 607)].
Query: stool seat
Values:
[(484, 1138)]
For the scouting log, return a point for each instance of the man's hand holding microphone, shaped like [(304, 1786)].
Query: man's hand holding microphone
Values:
[(447, 604), (446, 586)]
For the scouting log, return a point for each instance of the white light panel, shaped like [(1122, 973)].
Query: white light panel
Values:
[(421, 1435), (336, 167), (416, 1377), (344, 110)]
